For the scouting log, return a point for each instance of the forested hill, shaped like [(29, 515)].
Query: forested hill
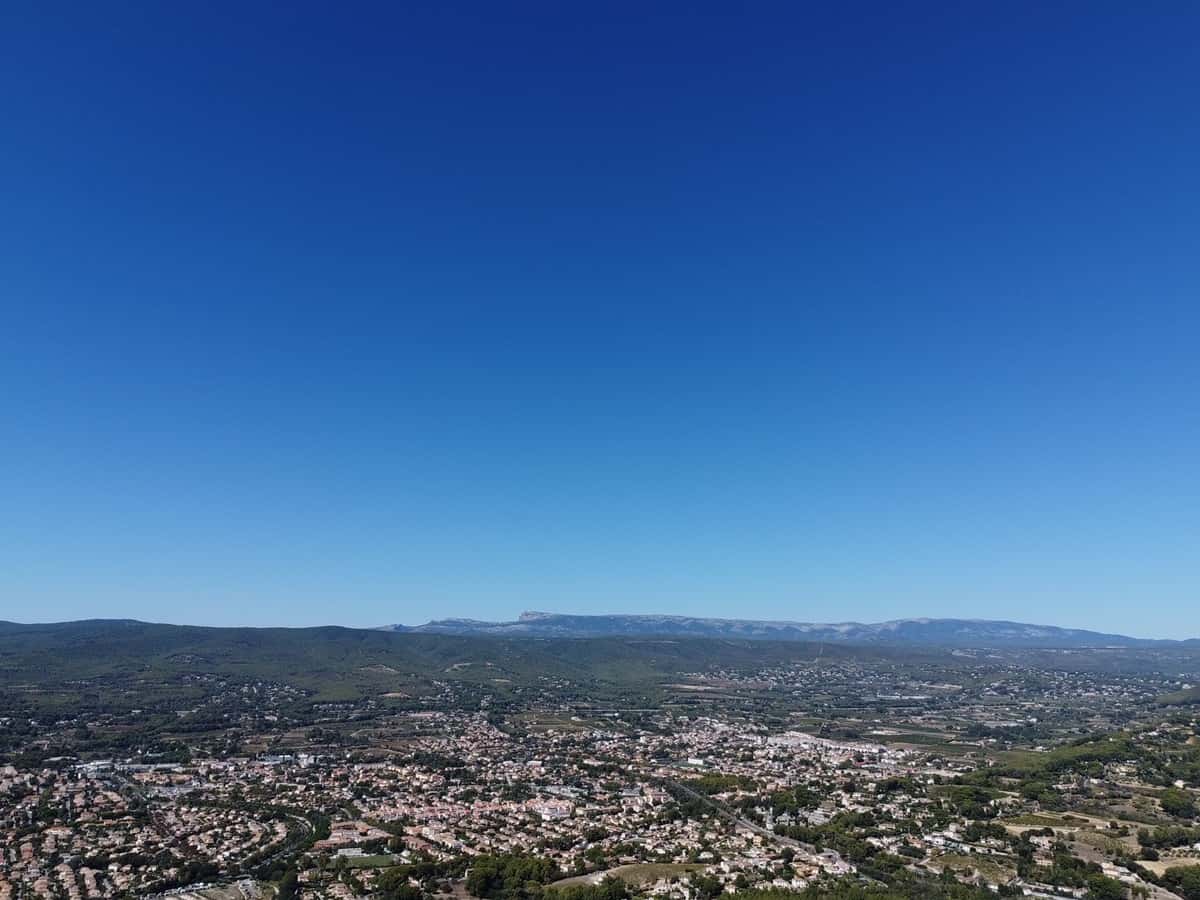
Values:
[(98, 647), (116, 664)]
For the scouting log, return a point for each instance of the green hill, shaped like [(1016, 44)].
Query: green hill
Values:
[(126, 663)]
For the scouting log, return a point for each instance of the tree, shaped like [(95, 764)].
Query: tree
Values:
[(1101, 887), (401, 891), (1177, 803), (289, 887), (609, 889), (706, 886), (509, 877), (1184, 881)]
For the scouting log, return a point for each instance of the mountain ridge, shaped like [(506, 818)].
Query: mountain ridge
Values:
[(913, 632), (917, 630)]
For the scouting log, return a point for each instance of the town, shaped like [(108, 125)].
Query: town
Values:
[(1048, 783)]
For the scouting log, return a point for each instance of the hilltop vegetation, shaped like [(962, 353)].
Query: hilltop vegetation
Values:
[(91, 662)]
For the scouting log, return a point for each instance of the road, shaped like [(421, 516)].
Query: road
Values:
[(728, 814)]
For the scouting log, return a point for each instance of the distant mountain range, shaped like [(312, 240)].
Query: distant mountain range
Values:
[(929, 632)]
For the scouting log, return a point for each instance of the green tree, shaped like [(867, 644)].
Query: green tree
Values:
[(1101, 887), (510, 877), (289, 886), (1177, 803), (1184, 881)]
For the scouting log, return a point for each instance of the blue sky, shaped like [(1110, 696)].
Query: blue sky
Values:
[(378, 314)]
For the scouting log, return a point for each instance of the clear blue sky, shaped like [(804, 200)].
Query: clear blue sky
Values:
[(372, 313)]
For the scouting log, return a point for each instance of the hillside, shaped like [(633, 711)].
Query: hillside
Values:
[(114, 658), (124, 664)]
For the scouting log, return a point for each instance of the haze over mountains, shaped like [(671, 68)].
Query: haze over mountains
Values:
[(923, 633), (944, 632)]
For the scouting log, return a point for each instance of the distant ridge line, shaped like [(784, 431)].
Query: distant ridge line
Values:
[(916, 632), (925, 631)]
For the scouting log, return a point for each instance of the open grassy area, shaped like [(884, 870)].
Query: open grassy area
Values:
[(378, 861), (1103, 748), (1037, 820), (925, 739), (547, 722), (1159, 866), (1087, 830), (1109, 843), (996, 870), (637, 874)]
